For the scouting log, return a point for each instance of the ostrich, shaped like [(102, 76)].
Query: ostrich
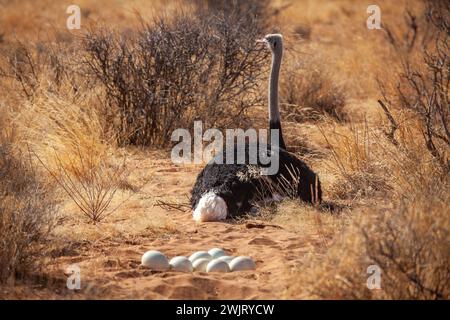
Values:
[(228, 190)]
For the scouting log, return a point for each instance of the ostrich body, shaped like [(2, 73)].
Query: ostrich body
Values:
[(229, 190)]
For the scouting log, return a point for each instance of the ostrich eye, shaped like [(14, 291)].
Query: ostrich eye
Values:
[(275, 44)]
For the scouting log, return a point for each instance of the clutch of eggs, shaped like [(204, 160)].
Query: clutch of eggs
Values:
[(215, 260)]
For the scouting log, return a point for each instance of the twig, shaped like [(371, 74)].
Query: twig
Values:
[(176, 206), (250, 225), (391, 134)]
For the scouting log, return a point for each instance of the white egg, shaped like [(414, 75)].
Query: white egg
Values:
[(227, 259), (181, 264), (242, 263), (217, 265), (217, 252), (155, 260), (200, 254), (200, 264)]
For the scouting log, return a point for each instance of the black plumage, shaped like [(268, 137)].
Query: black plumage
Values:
[(240, 187)]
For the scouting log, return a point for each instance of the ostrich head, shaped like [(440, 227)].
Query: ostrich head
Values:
[(274, 42)]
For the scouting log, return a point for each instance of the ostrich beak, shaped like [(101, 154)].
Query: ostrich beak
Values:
[(261, 41)]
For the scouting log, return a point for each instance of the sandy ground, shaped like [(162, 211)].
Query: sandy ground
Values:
[(109, 254)]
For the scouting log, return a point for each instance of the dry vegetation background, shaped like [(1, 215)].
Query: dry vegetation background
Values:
[(86, 117)]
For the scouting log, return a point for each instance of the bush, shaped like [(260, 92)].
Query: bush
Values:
[(27, 211), (89, 179), (174, 72), (198, 66), (37, 68), (423, 85), (309, 92), (409, 243)]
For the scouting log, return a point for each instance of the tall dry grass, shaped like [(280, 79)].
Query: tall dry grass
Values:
[(408, 242), (388, 189), (356, 160), (399, 221), (67, 140), (403, 228), (309, 91), (28, 210)]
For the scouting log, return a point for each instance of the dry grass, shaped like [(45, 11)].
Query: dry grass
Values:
[(309, 90), (295, 216), (27, 209), (69, 145), (403, 228), (409, 242), (91, 185), (389, 192), (356, 160)]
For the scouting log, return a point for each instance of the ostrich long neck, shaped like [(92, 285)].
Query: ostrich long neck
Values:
[(274, 112)]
